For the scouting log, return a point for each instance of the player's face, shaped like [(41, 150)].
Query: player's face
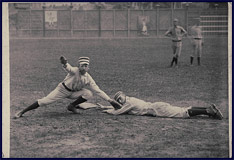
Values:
[(175, 23), (122, 99), (83, 68)]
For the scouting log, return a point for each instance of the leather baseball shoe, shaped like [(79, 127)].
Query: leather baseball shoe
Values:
[(72, 108), (215, 112), (18, 115)]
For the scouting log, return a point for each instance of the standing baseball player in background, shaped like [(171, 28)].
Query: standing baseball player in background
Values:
[(176, 33), (144, 27), (135, 106), (76, 85), (197, 41)]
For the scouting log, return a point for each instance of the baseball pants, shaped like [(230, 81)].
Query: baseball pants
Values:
[(176, 47), (163, 109), (61, 93), (197, 48)]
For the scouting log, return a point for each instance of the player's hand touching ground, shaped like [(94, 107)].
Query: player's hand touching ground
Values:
[(115, 104)]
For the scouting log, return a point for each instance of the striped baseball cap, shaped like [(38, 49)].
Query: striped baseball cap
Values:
[(117, 95), (83, 60)]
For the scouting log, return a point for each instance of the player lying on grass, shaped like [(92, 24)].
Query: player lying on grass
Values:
[(135, 106), (76, 85)]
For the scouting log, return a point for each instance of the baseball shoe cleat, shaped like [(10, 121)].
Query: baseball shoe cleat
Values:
[(18, 115), (72, 108), (215, 112)]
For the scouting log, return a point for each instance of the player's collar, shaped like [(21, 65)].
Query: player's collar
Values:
[(85, 75)]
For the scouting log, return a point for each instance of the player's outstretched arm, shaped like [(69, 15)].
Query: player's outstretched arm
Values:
[(66, 65), (124, 110), (115, 104)]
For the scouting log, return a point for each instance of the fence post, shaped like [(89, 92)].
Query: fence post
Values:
[(30, 21), (43, 20), (157, 19), (17, 23), (128, 20), (114, 21), (71, 20), (85, 23), (187, 7), (172, 14), (99, 23), (58, 32)]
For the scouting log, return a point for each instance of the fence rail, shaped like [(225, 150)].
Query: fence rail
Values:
[(112, 23)]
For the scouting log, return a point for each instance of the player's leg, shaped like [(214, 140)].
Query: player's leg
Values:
[(191, 60), (199, 61), (194, 52), (31, 107), (163, 109), (174, 53), (53, 96), (81, 97), (199, 51), (211, 111), (178, 52)]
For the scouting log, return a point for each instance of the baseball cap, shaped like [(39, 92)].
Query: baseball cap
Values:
[(175, 20), (117, 95), (83, 60)]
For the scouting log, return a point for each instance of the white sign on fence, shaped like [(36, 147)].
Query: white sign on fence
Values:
[(51, 19)]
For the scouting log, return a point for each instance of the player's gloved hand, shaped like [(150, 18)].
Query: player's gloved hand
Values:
[(63, 60), (115, 104)]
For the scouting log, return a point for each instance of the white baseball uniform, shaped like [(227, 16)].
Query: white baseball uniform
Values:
[(73, 86), (176, 33), (136, 106), (196, 32)]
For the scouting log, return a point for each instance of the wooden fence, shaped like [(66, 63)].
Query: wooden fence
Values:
[(112, 23)]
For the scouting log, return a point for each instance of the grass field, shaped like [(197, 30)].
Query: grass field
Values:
[(139, 67)]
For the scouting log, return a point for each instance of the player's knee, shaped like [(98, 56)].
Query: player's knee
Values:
[(45, 101), (87, 94), (42, 102)]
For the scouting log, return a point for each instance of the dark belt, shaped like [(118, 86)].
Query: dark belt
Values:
[(176, 40), (67, 87), (197, 38)]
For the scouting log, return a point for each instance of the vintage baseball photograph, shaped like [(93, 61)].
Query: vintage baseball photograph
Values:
[(117, 80)]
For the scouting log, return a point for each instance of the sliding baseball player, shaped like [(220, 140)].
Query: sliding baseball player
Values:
[(135, 106)]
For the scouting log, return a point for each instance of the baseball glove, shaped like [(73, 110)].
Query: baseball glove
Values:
[(115, 104), (63, 60)]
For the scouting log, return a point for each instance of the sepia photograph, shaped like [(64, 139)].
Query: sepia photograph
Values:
[(117, 80)]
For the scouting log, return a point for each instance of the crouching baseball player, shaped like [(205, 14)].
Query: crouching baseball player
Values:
[(134, 106), (76, 85)]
